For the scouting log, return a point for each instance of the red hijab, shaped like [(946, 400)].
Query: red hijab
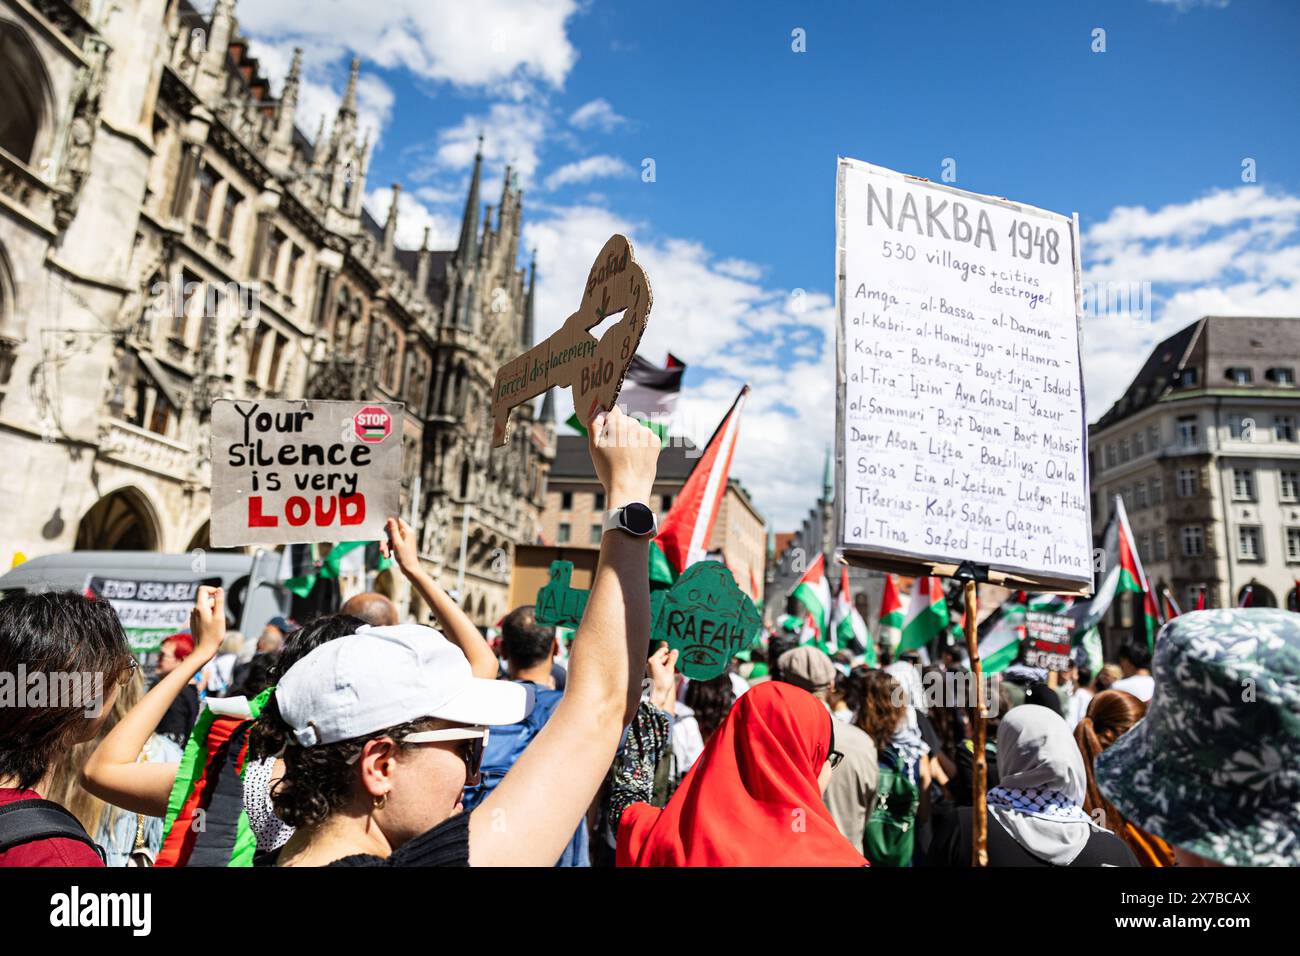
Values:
[(752, 797)]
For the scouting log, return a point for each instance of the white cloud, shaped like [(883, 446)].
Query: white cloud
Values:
[(1230, 252), (512, 135), (729, 329), (495, 44), (412, 219), (739, 269), (597, 114), (585, 170), (1182, 6)]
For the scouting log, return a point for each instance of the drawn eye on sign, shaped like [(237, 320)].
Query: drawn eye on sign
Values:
[(574, 358)]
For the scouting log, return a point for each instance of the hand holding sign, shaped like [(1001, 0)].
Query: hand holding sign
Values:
[(208, 622), (625, 455), (573, 356)]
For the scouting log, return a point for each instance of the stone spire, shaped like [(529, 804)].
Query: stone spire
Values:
[(210, 82), (422, 264), (529, 326), (465, 248), (828, 479), (282, 139), (390, 225), (349, 104)]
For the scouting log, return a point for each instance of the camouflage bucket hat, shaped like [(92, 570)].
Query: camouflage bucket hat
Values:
[(1215, 766)]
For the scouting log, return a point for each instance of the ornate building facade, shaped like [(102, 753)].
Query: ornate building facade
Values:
[(169, 236)]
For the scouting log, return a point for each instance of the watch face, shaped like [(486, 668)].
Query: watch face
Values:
[(638, 519)]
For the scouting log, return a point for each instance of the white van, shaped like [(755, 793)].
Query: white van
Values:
[(152, 592)]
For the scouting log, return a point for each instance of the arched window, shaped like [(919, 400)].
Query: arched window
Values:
[(24, 89)]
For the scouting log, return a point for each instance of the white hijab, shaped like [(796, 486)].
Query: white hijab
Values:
[(1041, 786)]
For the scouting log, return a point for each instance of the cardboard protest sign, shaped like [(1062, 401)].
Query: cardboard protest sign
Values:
[(572, 356), (149, 610), (558, 603), (1047, 640), (960, 428), (707, 619), (704, 616), (291, 472)]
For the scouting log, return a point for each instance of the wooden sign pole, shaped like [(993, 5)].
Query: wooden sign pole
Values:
[(979, 818)]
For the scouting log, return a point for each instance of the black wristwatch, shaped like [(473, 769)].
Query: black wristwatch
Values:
[(635, 518)]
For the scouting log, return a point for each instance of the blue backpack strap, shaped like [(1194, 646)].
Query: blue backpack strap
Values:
[(26, 821)]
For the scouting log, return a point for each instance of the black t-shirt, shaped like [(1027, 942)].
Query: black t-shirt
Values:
[(953, 847), (963, 785), (447, 844)]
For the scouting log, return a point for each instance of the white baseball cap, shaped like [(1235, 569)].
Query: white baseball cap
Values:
[(383, 676)]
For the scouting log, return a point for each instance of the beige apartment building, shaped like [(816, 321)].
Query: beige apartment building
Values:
[(575, 507), (1204, 449)]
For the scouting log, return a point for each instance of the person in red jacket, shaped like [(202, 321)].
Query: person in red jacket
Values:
[(63, 659)]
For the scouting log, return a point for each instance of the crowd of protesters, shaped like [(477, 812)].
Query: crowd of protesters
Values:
[(360, 739)]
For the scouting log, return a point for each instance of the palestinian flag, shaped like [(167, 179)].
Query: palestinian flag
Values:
[(1169, 608), (890, 628), (927, 614), (850, 630), (649, 395), (206, 824), (814, 593), (1000, 647), (1132, 578), (684, 532)]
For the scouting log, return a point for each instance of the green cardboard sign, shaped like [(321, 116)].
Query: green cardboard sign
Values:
[(559, 604), (704, 616), (706, 619)]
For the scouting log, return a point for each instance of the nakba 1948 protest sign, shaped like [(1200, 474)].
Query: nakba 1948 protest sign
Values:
[(290, 472), (960, 428)]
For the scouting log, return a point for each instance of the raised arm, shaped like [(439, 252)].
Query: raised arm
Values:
[(112, 773), (457, 626), (531, 816)]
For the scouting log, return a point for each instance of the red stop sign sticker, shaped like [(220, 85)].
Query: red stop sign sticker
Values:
[(373, 424)]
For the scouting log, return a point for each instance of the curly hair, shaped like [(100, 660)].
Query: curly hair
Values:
[(882, 707), (317, 781)]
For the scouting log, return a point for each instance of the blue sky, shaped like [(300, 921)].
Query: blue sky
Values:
[(1146, 140)]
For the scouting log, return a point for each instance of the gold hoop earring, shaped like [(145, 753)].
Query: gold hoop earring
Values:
[(380, 801)]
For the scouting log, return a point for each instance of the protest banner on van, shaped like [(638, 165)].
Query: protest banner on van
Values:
[(292, 472), (149, 610)]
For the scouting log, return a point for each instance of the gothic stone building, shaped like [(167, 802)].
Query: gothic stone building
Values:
[(169, 236)]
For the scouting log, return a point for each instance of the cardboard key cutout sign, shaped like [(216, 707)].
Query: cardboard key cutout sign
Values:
[(703, 616), (572, 356)]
